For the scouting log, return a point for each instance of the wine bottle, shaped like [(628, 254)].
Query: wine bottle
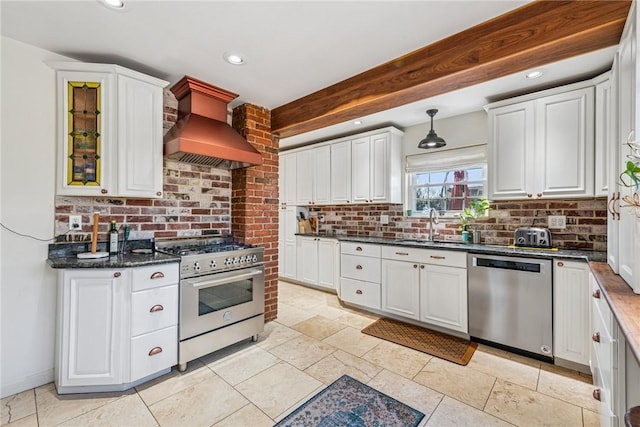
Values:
[(113, 239)]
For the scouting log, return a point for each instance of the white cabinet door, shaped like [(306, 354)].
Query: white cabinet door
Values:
[(304, 177), (379, 172), (443, 296), (93, 327), (613, 208), (511, 161), (328, 263), (401, 288), (602, 141), (139, 138), (322, 175), (290, 247), (361, 169), (341, 173), (308, 259), (288, 166), (564, 144), (571, 290)]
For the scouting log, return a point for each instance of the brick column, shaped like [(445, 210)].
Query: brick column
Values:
[(254, 197)]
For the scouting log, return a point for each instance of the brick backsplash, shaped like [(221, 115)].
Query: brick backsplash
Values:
[(586, 222), (197, 201)]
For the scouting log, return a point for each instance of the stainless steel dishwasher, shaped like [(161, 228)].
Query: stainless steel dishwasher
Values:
[(510, 303)]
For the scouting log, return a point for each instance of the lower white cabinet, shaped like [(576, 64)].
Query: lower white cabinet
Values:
[(360, 274), (571, 292), (287, 250), (427, 285), (115, 327), (318, 261)]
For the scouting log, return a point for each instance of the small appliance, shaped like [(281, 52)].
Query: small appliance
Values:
[(535, 237)]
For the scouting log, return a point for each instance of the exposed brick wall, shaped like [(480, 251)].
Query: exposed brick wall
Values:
[(586, 222), (254, 210)]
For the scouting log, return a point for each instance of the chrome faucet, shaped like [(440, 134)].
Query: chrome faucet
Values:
[(433, 219)]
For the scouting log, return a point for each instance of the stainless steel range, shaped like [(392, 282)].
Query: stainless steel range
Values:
[(221, 293)]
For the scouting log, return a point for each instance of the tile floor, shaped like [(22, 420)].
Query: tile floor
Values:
[(314, 341)]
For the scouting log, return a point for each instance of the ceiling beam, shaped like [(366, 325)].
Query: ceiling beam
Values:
[(536, 34)]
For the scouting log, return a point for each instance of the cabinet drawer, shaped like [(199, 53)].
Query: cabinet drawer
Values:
[(153, 309), (604, 385), (360, 268), (154, 276), (361, 249), (402, 253), (146, 357), (365, 294), (445, 258), (599, 305)]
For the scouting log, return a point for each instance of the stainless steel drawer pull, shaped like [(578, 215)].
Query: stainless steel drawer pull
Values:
[(359, 292), (155, 308), (596, 394), (402, 253), (157, 275), (596, 294), (437, 257), (155, 350), (358, 249), (596, 337), (358, 267)]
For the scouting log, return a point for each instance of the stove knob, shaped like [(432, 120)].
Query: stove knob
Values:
[(212, 264), (236, 260), (196, 266), (255, 258), (227, 261), (242, 259)]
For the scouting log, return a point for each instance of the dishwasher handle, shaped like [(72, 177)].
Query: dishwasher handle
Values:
[(532, 267)]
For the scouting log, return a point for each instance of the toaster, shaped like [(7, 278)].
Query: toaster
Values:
[(536, 237)]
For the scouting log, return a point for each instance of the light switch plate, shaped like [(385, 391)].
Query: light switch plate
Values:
[(75, 222), (384, 219), (557, 221)]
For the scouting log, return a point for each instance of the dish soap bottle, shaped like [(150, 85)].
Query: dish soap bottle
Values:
[(113, 239)]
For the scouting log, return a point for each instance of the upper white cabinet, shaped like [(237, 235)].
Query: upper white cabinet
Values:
[(109, 131), (287, 178), (313, 176), (376, 169), (341, 173), (603, 123), (542, 145)]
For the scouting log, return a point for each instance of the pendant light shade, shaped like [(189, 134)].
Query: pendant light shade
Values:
[(432, 140)]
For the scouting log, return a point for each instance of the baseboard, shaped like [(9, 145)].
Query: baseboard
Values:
[(26, 383)]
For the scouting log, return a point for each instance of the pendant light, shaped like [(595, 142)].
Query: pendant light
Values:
[(432, 140)]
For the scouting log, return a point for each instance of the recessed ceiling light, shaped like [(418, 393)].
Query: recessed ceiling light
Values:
[(115, 4), (534, 74), (233, 58)]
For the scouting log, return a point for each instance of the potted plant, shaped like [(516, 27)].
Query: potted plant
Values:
[(476, 209)]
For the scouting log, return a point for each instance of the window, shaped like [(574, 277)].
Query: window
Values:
[(446, 180)]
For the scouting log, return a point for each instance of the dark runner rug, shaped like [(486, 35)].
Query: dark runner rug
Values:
[(447, 347), (348, 402)]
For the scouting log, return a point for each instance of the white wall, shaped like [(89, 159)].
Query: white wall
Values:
[(458, 131), (27, 172)]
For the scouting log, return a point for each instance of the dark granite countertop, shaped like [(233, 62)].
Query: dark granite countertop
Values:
[(593, 256), (64, 255)]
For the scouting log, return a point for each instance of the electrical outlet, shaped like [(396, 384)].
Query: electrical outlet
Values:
[(557, 221), (384, 219), (75, 222)]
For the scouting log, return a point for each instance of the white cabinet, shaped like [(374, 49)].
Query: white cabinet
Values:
[(115, 327), (313, 176), (603, 141), (109, 131), (287, 250), (341, 173), (542, 145), (426, 285), (318, 261), (360, 274), (287, 178), (571, 292), (376, 169), (613, 205), (93, 327)]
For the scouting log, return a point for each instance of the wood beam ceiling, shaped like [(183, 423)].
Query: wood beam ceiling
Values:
[(536, 34)]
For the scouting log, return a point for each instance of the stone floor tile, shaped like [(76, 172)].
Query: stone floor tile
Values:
[(128, 411), (28, 421), (318, 327), (452, 413), (174, 382), (590, 419), (285, 384), (289, 315), (244, 364), (328, 311), (406, 391), (202, 404), (352, 341), (460, 382), (275, 334), (356, 320), (54, 409), (568, 389), (302, 351), (340, 363), (249, 415), (505, 368), (524, 407), (396, 358), (17, 406)]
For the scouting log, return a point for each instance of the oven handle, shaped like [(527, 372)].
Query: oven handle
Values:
[(226, 279)]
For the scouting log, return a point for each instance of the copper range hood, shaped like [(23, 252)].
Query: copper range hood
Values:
[(201, 134)]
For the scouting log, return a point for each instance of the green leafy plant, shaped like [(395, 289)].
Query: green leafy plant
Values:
[(476, 209), (631, 173)]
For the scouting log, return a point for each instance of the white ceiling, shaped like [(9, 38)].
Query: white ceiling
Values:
[(293, 48)]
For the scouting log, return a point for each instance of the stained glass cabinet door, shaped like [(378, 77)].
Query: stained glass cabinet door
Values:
[(85, 133)]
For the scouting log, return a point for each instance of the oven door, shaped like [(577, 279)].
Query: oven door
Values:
[(217, 300)]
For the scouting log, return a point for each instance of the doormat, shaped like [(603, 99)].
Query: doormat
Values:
[(447, 347), (348, 402)]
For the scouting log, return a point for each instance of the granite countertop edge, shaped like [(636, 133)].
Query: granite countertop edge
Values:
[(116, 261), (584, 255)]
